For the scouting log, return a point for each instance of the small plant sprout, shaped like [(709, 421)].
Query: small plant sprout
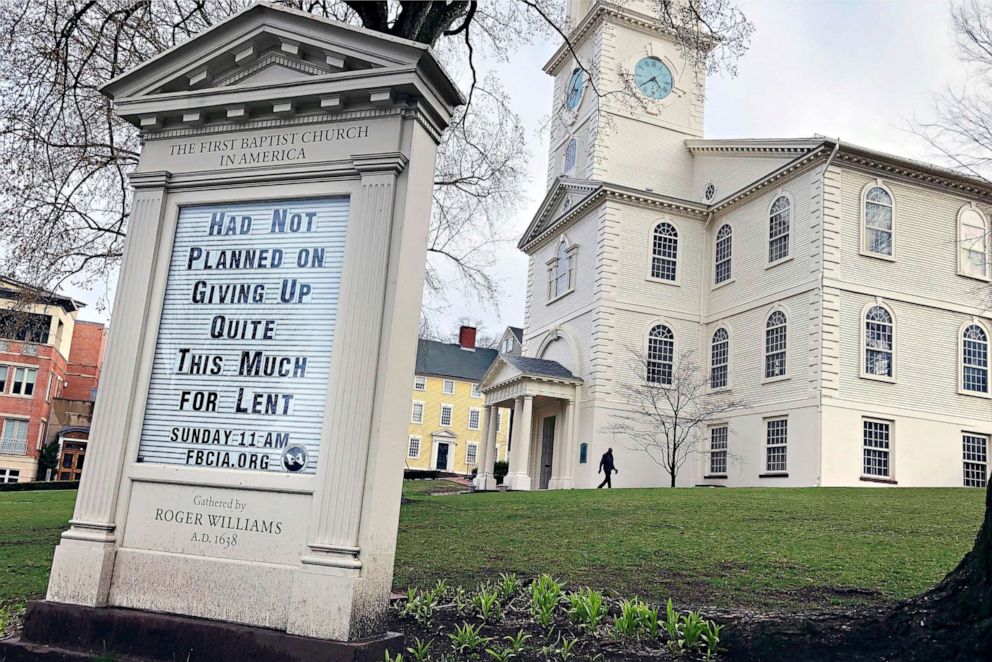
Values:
[(693, 626), (467, 639), (488, 605), (390, 658), (587, 609), (711, 637), (566, 651), (517, 642), (420, 651), (545, 595), (508, 586)]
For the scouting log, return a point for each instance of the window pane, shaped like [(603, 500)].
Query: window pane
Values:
[(975, 456), (880, 242), (661, 350), (777, 432)]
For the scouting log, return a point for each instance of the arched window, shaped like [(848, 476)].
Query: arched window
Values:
[(775, 345), (778, 229), (879, 344), (974, 240), (661, 354), (561, 271), (724, 254), (665, 252), (719, 358), (975, 359), (878, 218)]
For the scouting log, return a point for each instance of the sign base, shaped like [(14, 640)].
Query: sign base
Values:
[(55, 631)]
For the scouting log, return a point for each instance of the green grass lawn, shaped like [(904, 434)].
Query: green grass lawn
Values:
[(757, 548)]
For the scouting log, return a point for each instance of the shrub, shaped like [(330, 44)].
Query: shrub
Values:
[(36, 485), (500, 469), (420, 474)]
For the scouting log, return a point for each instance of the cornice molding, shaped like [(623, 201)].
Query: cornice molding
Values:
[(913, 172), (600, 11)]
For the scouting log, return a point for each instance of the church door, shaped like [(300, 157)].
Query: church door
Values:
[(547, 450)]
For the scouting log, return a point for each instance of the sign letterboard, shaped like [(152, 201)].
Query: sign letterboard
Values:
[(244, 344)]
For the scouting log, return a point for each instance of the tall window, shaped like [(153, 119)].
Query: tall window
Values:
[(776, 444), (471, 453), (877, 446), (561, 271), (474, 418), (661, 354), (718, 450), (778, 229), (724, 254), (4, 371), (775, 345), (570, 151), (446, 416), (976, 460), (417, 413), (878, 342), (975, 359), (15, 436), (878, 221), (24, 379), (413, 450), (719, 358), (475, 391), (448, 387), (974, 239), (664, 252), (419, 383)]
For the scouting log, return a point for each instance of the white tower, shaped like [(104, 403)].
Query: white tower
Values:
[(623, 109)]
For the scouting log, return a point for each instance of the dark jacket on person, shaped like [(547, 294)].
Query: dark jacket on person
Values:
[(606, 462)]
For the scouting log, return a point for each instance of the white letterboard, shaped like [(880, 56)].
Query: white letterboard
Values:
[(244, 343)]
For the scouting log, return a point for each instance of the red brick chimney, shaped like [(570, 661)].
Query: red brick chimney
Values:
[(466, 337)]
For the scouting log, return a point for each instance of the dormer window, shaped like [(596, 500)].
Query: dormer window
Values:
[(561, 270)]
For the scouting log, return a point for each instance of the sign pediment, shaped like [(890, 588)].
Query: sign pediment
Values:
[(268, 52)]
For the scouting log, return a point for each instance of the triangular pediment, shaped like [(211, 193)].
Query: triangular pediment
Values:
[(283, 43), (561, 199), (499, 372), (444, 434), (273, 60)]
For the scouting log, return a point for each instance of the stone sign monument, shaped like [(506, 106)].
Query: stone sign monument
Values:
[(247, 446)]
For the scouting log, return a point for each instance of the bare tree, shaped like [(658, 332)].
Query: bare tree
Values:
[(961, 129), (64, 199), (671, 404)]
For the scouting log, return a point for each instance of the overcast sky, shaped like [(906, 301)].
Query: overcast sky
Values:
[(860, 71)]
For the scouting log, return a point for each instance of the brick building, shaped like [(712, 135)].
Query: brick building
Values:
[(40, 365)]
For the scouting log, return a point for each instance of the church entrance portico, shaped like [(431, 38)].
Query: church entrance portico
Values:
[(542, 448)]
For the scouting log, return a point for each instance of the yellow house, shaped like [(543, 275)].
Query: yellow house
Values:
[(447, 414)]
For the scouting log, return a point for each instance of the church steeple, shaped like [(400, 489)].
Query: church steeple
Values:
[(623, 109)]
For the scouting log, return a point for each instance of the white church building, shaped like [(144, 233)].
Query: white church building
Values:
[(841, 292)]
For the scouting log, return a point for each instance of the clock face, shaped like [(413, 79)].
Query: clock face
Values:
[(575, 86), (653, 78)]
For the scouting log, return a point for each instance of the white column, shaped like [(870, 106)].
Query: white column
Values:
[(559, 452), (569, 448), (521, 479), (84, 558), (486, 464), (337, 506)]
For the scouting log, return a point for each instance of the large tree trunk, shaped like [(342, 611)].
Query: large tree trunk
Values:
[(952, 621)]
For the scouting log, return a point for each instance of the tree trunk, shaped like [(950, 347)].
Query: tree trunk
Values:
[(952, 621)]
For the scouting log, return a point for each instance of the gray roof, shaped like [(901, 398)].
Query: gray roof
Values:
[(440, 359), (540, 367), (518, 333)]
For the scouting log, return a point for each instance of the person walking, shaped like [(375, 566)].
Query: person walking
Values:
[(606, 466)]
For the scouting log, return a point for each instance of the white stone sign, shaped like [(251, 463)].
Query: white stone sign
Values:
[(244, 345)]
